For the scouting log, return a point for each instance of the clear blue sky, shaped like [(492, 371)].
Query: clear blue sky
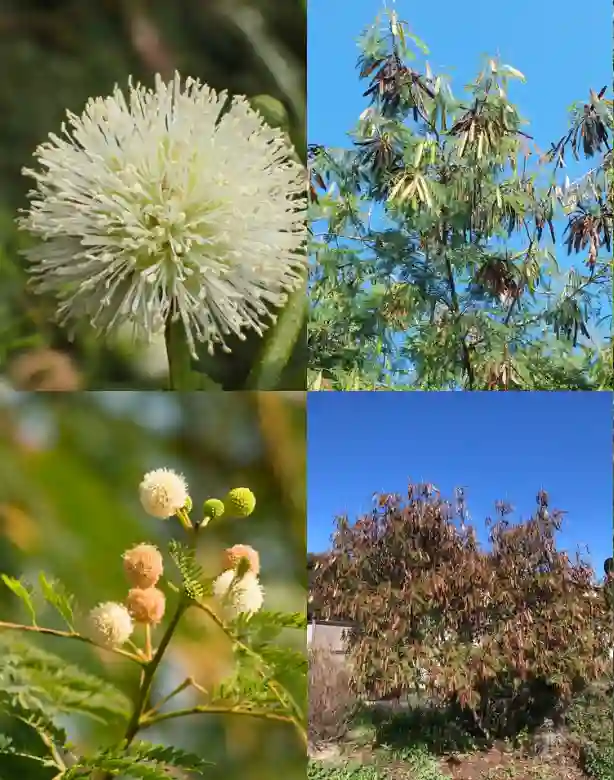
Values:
[(498, 446), (561, 51)]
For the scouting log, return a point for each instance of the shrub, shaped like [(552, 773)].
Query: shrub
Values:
[(331, 701), (508, 635)]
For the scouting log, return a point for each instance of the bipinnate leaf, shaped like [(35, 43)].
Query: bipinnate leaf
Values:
[(141, 760), (23, 592)]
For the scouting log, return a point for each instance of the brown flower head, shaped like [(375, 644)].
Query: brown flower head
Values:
[(146, 605), (143, 565), (44, 369), (234, 555)]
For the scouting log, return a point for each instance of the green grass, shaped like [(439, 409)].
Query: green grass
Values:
[(598, 761), (411, 763), (322, 771), (590, 717)]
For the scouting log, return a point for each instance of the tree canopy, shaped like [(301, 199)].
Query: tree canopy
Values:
[(437, 236), (484, 629)]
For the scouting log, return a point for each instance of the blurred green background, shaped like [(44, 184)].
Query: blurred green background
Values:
[(70, 466), (55, 54)]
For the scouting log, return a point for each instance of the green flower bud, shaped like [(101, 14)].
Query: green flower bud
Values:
[(188, 505), (240, 502), (213, 509)]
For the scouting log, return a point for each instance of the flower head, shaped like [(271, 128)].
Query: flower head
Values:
[(240, 502), (143, 565), (241, 596), (110, 624), (163, 492), (240, 553), (146, 605), (152, 204)]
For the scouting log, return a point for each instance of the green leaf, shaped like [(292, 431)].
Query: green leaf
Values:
[(264, 621), (272, 111), (279, 343), (33, 679), (56, 596), (22, 592), (192, 575), (140, 760)]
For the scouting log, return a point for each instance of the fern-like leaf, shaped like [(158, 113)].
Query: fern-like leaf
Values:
[(141, 760), (39, 680), (192, 575), (264, 627), (23, 592), (57, 597), (51, 737)]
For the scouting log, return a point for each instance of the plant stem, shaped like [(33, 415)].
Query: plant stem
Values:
[(456, 309), (148, 641), (71, 635), (146, 722), (181, 687), (178, 356), (150, 670), (280, 696), (181, 375)]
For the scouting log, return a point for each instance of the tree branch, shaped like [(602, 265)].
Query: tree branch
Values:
[(71, 635)]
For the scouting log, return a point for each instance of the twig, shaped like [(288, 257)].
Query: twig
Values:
[(71, 635), (214, 710), (181, 687), (253, 654)]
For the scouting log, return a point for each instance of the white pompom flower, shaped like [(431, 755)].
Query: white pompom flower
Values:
[(243, 596), (110, 624), (155, 205), (163, 492)]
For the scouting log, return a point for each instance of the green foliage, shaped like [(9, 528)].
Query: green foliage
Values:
[(598, 761), (436, 730), (419, 761), (434, 241), (320, 771), (55, 594), (140, 760), (192, 575), (34, 679), (265, 626), (262, 661), (416, 763), (590, 719), (23, 592)]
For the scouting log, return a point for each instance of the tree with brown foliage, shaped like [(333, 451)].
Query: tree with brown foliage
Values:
[(506, 634)]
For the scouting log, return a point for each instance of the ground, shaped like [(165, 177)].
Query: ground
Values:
[(495, 764)]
